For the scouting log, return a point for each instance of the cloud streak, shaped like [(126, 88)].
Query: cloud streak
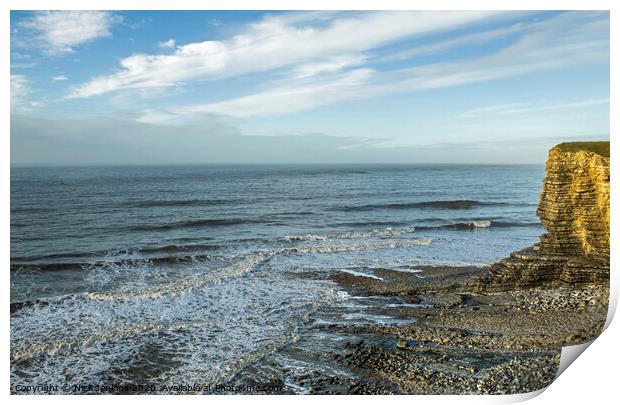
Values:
[(276, 42), (280, 99), (522, 108), (538, 49)]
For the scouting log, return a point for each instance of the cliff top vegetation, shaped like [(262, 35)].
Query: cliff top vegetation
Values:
[(601, 148)]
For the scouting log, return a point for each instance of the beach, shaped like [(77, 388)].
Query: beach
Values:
[(394, 279), (453, 339)]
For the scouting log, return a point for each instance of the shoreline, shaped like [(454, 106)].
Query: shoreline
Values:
[(497, 329), (442, 336)]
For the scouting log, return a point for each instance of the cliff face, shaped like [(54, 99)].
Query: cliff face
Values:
[(574, 209)]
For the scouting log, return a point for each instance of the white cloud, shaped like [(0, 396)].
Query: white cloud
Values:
[(59, 78), (317, 65), (19, 89), (169, 44), (21, 60), (539, 50), (20, 95), (521, 108), (276, 42), (331, 65), (282, 99), (59, 32), (464, 40)]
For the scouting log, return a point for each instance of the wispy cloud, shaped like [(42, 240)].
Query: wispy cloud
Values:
[(169, 44), (538, 49), (477, 38), (60, 32), (21, 60), (333, 64), (19, 89), (286, 98), (20, 95), (23, 65), (273, 43), (373, 79), (522, 108)]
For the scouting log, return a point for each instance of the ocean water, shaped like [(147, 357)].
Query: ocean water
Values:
[(188, 274)]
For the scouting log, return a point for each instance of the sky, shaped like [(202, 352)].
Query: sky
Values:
[(192, 87)]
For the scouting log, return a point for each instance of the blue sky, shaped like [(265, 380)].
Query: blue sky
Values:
[(173, 87)]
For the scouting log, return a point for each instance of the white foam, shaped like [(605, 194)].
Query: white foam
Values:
[(349, 247), (375, 233), (309, 237), (343, 295), (207, 329), (207, 333), (357, 273), (238, 268), (408, 305), (383, 320), (296, 367), (405, 270)]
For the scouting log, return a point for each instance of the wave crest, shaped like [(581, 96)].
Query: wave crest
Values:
[(436, 204)]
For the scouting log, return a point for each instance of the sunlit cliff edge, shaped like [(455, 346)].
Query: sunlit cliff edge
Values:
[(574, 210)]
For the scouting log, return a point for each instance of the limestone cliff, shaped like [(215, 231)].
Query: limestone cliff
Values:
[(574, 209)]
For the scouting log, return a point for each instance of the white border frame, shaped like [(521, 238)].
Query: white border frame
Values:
[(593, 378)]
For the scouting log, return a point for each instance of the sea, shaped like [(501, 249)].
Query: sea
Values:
[(188, 274)]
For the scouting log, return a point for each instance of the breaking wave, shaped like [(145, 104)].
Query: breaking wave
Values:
[(85, 265), (478, 224), (375, 233), (203, 337), (249, 263), (174, 288)]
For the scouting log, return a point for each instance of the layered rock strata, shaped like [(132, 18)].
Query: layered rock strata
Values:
[(574, 210)]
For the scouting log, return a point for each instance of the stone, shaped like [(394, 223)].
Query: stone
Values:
[(401, 344), (574, 210)]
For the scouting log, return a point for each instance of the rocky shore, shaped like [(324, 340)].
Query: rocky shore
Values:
[(468, 342), (466, 330), (448, 341)]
